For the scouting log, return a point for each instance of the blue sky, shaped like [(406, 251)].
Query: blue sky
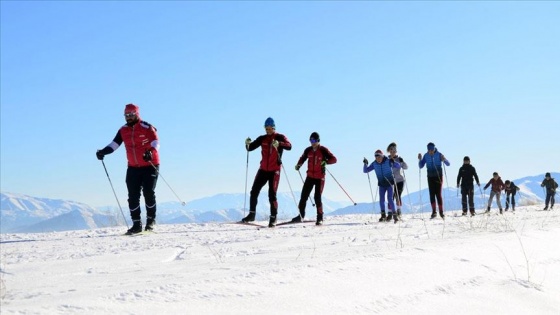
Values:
[(476, 78)]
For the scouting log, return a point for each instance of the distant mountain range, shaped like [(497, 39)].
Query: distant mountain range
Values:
[(26, 214)]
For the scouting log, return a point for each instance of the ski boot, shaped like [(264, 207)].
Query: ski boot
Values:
[(487, 210), (319, 219), (396, 217), (399, 213), (135, 229), (150, 222), (383, 217), (473, 213), (434, 215), (545, 208), (272, 221), (249, 218), (501, 212), (464, 213), (389, 216), (442, 215)]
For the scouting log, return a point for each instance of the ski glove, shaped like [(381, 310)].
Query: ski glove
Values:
[(275, 144), (247, 141), (297, 167), (100, 155), (366, 162), (323, 163), (147, 155), (401, 160)]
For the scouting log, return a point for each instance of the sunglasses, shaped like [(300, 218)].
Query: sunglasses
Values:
[(313, 140), (131, 114)]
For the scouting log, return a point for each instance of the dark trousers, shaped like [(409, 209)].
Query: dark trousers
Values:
[(308, 185), (512, 200), (141, 179), (467, 196), (263, 177), (549, 198), (434, 187), (398, 194)]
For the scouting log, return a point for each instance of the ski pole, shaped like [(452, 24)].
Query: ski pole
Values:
[(293, 196), (246, 176), (159, 174), (371, 192), (311, 200), (341, 187), (114, 193)]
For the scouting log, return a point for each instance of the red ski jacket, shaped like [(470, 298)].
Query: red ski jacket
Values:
[(137, 139), (271, 157), (314, 160)]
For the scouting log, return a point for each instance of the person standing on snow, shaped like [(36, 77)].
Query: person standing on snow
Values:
[(551, 186), (510, 189), (433, 160), (383, 167), (142, 144), (497, 187), (272, 146), (465, 180), (317, 157), (398, 175)]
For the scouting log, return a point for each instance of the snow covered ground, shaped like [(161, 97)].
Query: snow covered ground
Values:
[(492, 264)]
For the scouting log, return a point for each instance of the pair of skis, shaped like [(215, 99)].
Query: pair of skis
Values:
[(278, 224)]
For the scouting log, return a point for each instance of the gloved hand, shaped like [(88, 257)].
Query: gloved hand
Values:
[(147, 155), (323, 163), (478, 184), (401, 160), (458, 186), (275, 143), (442, 157), (419, 156), (100, 155), (297, 167), (247, 141), (366, 162)]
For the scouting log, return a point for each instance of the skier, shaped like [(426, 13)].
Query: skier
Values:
[(142, 144), (465, 178), (272, 145), (399, 177), (433, 159), (317, 157), (496, 190), (510, 189), (383, 167), (551, 186)]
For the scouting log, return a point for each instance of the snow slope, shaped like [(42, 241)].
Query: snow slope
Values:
[(489, 264)]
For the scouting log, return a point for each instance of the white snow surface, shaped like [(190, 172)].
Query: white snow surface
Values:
[(488, 264)]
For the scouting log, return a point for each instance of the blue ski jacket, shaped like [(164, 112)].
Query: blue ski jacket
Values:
[(433, 164), (383, 171)]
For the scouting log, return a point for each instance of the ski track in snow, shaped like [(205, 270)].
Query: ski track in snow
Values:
[(487, 264)]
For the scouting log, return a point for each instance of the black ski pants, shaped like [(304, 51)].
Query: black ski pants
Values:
[(434, 187), (263, 177), (467, 198), (142, 179), (308, 185)]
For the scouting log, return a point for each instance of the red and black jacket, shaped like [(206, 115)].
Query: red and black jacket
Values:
[(271, 157), (315, 159)]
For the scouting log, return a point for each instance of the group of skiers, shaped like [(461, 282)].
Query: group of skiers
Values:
[(142, 144)]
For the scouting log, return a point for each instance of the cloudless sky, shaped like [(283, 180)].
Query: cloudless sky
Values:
[(476, 78)]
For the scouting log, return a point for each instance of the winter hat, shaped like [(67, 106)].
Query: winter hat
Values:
[(431, 146), (495, 174), (547, 175), (269, 122), (507, 182), (378, 153), (466, 158), (131, 108), (391, 145), (315, 135)]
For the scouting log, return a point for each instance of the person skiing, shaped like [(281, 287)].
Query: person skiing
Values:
[(496, 190), (510, 189), (272, 146), (551, 186), (318, 157), (433, 159), (398, 174), (142, 144), (383, 167), (465, 180)]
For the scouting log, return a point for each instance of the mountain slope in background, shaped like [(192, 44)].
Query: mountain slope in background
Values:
[(21, 213)]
